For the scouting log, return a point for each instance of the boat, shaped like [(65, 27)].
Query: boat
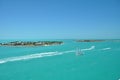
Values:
[(78, 51)]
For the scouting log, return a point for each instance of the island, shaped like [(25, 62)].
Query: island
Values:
[(86, 40), (31, 43)]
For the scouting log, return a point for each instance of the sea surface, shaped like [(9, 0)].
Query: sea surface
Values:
[(99, 61)]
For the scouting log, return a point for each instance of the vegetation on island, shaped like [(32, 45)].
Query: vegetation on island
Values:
[(90, 40), (31, 43)]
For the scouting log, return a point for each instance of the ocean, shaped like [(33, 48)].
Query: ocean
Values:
[(99, 61)]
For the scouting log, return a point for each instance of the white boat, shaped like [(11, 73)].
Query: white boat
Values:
[(79, 52)]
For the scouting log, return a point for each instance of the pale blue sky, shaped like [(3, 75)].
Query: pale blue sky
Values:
[(59, 19)]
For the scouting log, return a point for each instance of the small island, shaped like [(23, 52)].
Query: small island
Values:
[(90, 40), (31, 43)]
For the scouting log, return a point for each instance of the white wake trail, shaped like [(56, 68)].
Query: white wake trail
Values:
[(38, 55), (32, 56), (106, 48), (25, 57), (87, 49)]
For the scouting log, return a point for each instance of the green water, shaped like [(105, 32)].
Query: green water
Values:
[(99, 63)]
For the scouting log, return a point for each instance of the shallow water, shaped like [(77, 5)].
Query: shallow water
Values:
[(100, 61)]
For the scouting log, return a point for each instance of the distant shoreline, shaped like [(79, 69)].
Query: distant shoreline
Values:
[(31, 43), (90, 40)]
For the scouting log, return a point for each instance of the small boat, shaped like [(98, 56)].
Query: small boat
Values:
[(79, 52)]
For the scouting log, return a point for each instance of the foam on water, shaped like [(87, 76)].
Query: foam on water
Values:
[(31, 56), (87, 49), (106, 48), (38, 55)]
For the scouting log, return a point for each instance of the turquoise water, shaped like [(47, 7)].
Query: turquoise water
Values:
[(100, 61)]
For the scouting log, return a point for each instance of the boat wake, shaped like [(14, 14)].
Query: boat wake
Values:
[(31, 56), (38, 55), (106, 48), (87, 49)]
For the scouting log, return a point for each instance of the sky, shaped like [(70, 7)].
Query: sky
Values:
[(59, 19)]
